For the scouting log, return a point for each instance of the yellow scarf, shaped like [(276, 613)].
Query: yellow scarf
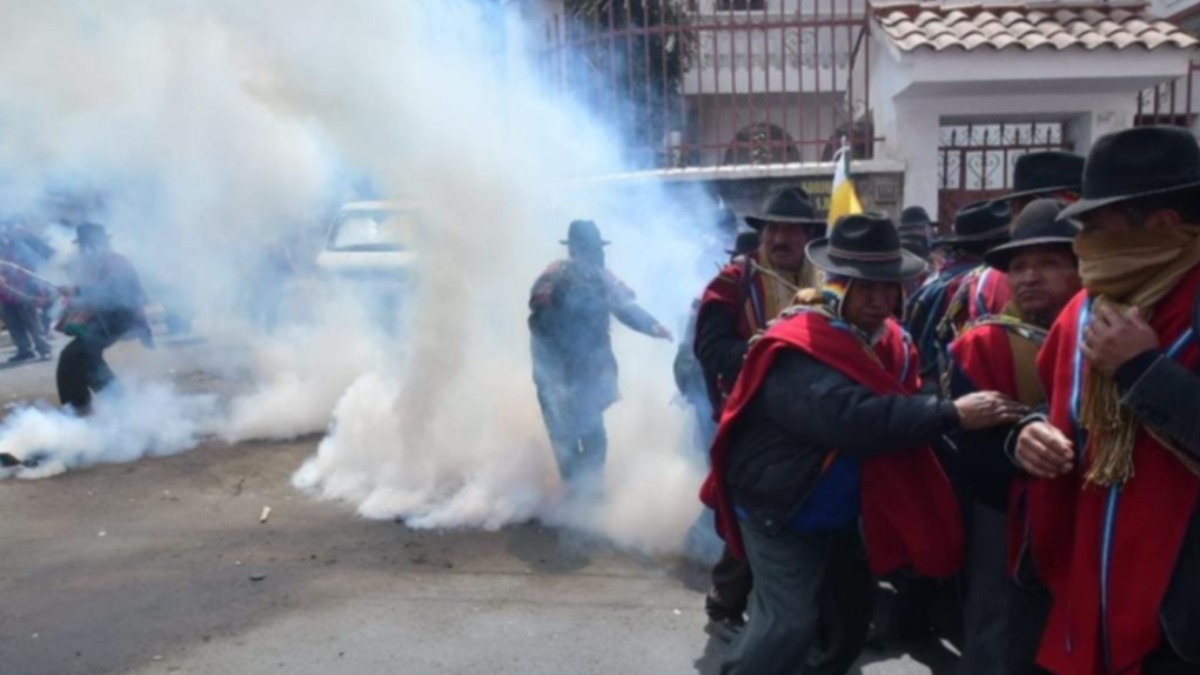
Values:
[(1135, 268)]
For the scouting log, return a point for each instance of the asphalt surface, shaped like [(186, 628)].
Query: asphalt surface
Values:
[(163, 566)]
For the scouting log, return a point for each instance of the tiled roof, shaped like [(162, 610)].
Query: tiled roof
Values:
[(932, 25)]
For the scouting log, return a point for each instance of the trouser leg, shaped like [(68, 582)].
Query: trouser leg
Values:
[(788, 569), (593, 441), (33, 327), (564, 439), (732, 582), (988, 612), (18, 329), (72, 375), (847, 604)]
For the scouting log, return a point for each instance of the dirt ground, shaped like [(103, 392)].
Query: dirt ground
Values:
[(163, 566)]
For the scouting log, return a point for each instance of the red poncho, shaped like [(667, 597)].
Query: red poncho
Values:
[(909, 512), (1143, 523)]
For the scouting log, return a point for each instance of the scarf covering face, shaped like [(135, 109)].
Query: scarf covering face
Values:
[(1123, 270)]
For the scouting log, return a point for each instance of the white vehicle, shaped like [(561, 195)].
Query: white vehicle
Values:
[(371, 249), (370, 238)]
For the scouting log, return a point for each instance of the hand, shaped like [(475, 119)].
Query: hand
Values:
[(660, 331), (987, 409), (1043, 451), (1112, 338)]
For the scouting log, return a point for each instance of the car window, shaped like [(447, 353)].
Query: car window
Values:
[(381, 231)]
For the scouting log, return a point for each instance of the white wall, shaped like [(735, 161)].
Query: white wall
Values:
[(809, 119)]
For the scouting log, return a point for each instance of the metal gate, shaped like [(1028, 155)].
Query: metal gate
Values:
[(975, 161)]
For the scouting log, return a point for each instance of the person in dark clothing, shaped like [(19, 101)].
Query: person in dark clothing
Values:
[(737, 304), (689, 375), (105, 305), (1003, 620), (23, 294), (977, 228), (1113, 510), (573, 363), (826, 427)]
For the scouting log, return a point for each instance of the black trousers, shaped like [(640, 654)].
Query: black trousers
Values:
[(731, 585), (82, 369), (25, 328), (576, 430), (811, 606)]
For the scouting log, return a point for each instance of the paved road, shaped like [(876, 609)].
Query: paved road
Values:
[(162, 566)]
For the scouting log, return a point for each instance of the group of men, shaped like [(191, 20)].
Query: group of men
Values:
[(1036, 442), (26, 298), (1020, 418)]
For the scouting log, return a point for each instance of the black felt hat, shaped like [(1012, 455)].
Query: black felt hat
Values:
[(91, 233), (1038, 225), (865, 246), (790, 205), (584, 234), (1138, 162), (981, 223), (1039, 173), (747, 242), (915, 219)]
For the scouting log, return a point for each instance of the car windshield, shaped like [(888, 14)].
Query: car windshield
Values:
[(372, 231)]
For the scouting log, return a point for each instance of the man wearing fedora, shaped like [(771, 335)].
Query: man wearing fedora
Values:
[(105, 304), (573, 363), (826, 428), (916, 231), (934, 316), (1003, 620), (983, 291), (1051, 174), (1113, 517), (736, 305)]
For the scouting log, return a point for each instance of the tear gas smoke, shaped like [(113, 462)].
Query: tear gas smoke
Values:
[(217, 127)]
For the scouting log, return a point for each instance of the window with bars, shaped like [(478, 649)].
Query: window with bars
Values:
[(740, 5)]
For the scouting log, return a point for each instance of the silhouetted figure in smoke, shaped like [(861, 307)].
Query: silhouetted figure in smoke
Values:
[(24, 294), (573, 363), (104, 306)]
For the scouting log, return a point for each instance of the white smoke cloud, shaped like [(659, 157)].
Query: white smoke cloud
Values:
[(218, 126)]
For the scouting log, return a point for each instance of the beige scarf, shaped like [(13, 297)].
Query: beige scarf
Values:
[(1135, 268)]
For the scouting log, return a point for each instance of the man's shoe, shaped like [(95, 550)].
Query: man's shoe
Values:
[(22, 357), (723, 622), (7, 460)]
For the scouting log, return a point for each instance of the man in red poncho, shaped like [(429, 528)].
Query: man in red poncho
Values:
[(1114, 527), (984, 290), (825, 426), (747, 294), (1003, 620)]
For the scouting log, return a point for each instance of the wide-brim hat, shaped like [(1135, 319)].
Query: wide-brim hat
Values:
[(91, 232), (865, 246), (981, 223), (1138, 162), (746, 242), (1038, 225), (789, 206), (584, 233), (1046, 172)]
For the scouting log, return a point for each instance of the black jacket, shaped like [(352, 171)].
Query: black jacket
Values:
[(805, 409), (1166, 395)]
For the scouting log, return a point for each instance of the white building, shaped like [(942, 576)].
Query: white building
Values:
[(945, 94)]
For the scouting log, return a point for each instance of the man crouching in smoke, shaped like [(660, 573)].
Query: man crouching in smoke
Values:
[(104, 305), (825, 427), (573, 363)]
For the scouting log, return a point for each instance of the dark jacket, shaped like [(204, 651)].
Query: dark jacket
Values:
[(570, 305), (803, 411), (1166, 395), (977, 461), (721, 347)]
